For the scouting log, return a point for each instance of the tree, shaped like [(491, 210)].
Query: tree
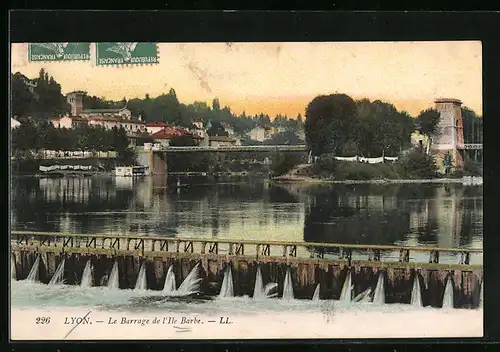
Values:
[(22, 100), (217, 129), (418, 165), (329, 123), (216, 104), (472, 126), (288, 137), (428, 123), (281, 163)]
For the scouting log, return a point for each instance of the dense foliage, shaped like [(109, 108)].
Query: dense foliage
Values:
[(44, 100), (38, 135), (337, 124)]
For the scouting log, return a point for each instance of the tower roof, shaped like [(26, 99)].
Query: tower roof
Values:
[(448, 100), (80, 92)]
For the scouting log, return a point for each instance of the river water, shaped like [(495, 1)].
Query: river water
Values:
[(446, 216), (434, 215)]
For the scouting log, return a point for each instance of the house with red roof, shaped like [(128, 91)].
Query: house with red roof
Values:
[(155, 126), (164, 136)]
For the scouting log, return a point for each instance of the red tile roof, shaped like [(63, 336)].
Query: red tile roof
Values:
[(166, 133), (157, 124), (170, 132)]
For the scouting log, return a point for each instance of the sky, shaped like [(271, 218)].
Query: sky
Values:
[(282, 78)]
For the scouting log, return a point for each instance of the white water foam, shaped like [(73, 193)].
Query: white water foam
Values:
[(346, 294), (315, 296), (227, 289), (191, 284), (170, 286), (33, 274), (87, 275), (141, 283), (113, 280), (416, 294), (448, 295), (379, 295), (288, 286), (58, 277)]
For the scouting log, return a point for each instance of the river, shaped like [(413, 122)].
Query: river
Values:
[(447, 216), (243, 208)]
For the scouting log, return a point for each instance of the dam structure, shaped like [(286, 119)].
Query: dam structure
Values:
[(421, 276)]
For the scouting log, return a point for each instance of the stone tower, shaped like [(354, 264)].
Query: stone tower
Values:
[(451, 135), (75, 99)]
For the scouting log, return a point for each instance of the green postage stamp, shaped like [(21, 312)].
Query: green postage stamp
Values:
[(58, 51), (110, 54)]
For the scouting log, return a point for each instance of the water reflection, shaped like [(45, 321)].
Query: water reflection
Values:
[(249, 208)]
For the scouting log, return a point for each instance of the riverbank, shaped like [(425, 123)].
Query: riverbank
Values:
[(313, 180), (34, 166)]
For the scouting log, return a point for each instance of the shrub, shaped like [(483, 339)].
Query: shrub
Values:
[(417, 164), (327, 162), (281, 163)]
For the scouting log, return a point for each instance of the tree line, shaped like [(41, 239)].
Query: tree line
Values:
[(42, 135), (44, 100), (47, 100), (337, 124)]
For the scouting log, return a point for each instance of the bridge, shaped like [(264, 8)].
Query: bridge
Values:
[(157, 155), (236, 148), (309, 264)]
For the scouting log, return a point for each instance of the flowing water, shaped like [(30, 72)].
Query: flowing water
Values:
[(288, 286), (33, 274), (315, 296), (113, 280), (258, 290), (58, 277), (416, 294), (227, 289), (432, 215), (87, 275), (448, 294), (170, 286), (379, 295), (141, 283), (346, 294), (363, 296), (191, 284)]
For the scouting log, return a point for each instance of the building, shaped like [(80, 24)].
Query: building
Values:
[(68, 122), (419, 140), (197, 128), (14, 123), (123, 113), (164, 136), (222, 141), (155, 126), (131, 126), (260, 133), (228, 128), (75, 100), (450, 132)]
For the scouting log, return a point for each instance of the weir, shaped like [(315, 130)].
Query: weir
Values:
[(254, 269)]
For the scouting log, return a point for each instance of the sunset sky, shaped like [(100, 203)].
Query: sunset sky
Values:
[(283, 78)]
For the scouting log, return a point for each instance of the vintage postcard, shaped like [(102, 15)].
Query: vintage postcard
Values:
[(179, 191)]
